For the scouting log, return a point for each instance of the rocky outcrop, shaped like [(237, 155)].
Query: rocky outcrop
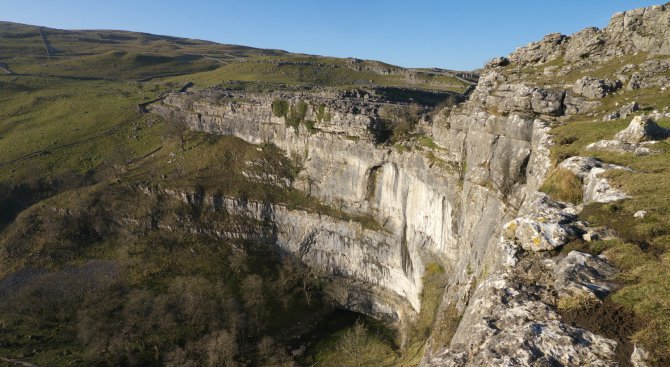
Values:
[(639, 30), (636, 138), (651, 73), (511, 320), (442, 205), (543, 224), (445, 204)]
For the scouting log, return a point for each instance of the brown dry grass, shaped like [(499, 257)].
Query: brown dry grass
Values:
[(563, 185)]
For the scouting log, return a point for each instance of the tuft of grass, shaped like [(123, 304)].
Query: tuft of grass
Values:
[(563, 185), (427, 142), (296, 114), (321, 114), (280, 108)]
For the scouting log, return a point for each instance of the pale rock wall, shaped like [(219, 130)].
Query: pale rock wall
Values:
[(449, 213)]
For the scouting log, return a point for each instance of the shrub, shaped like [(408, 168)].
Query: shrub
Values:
[(321, 114), (280, 108), (397, 122), (296, 114)]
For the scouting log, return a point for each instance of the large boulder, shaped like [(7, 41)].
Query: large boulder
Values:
[(584, 44), (636, 138), (642, 128), (549, 48), (497, 62), (517, 97), (593, 88)]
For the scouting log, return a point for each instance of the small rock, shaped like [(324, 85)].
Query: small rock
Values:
[(612, 116), (623, 112), (639, 357), (497, 62), (640, 214), (597, 233), (629, 108)]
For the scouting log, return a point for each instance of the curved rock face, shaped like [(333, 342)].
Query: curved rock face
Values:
[(346, 250), (441, 205), (453, 203)]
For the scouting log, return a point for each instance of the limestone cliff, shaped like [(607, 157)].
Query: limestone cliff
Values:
[(469, 201), (429, 201)]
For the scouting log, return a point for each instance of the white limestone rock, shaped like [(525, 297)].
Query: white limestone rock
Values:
[(639, 357), (640, 133), (642, 128), (544, 224), (511, 323), (619, 146), (579, 274), (640, 214), (593, 88)]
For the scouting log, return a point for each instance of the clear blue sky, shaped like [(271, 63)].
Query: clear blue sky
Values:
[(450, 34)]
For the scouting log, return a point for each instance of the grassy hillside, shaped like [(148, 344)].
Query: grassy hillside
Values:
[(95, 271), (300, 70), (118, 55), (111, 54)]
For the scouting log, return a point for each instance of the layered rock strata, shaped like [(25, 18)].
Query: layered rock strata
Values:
[(453, 202)]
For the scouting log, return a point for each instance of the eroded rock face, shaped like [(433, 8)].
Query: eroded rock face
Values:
[(432, 212), (342, 249), (511, 322)]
